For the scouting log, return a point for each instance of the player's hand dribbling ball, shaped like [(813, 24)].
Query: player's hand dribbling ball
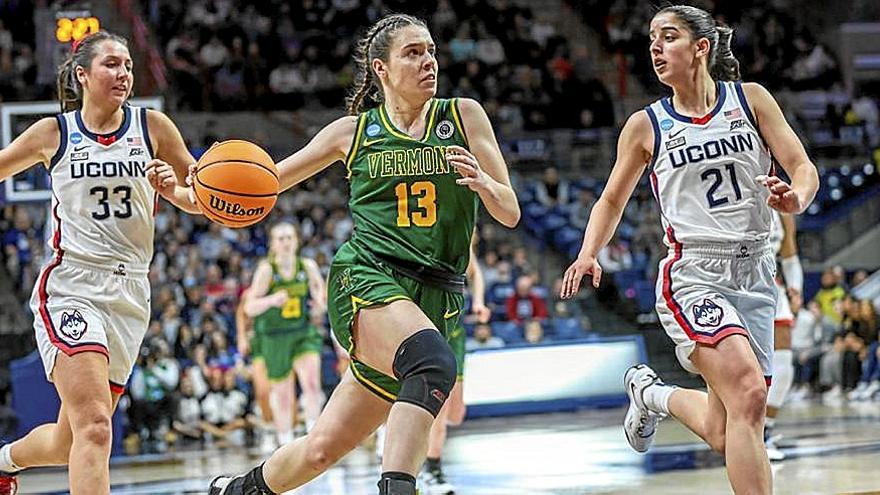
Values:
[(236, 183)]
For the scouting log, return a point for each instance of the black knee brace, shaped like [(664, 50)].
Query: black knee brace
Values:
[(425, 365), (397, 483)]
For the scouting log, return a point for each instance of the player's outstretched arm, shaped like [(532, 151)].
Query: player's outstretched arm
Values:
[(483, 168), (331, 144), (633, 145), (787, 149), (38, 143), (258, 299), (168, 171), (317, 287)]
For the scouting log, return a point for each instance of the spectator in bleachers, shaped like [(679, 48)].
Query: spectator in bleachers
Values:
[(523, 304), (483, 338), (615, 256), (153, 382), (579, 211), (224, 409), (809, 342), (533, 333), (187, 418), (869, 382), (829, 296), (552, 190), (859, 277)]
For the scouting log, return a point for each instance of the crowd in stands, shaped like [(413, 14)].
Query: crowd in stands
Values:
[(834, 341), (773, 45), (18, 65), (236, 55)]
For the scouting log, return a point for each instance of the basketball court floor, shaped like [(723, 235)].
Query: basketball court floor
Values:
[(831, 450)]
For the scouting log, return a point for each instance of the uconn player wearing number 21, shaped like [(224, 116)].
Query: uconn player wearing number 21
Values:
[(108, 162), (709, 149)]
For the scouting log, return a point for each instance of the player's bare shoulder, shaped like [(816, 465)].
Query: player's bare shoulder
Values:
[(43, 138), (638, 132)]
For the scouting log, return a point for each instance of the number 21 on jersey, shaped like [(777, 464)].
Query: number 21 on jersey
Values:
[(426, 202)]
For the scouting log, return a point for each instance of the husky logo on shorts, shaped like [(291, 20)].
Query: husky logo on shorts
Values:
[(73, 324), (708, 314)]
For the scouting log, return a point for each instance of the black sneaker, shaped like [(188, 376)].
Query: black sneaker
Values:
[(232, 485)]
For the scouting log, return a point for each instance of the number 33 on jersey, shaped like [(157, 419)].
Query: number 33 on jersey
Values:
[(103, 204), (404, 199), (703, 171)]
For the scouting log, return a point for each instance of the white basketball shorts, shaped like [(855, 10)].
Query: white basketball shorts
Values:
[(708, 292), (81, 307)]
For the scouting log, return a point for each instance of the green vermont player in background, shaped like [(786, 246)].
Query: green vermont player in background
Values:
[(285, 297), (418, 167)]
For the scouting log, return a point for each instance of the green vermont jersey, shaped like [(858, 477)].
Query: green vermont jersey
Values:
[(294, 315), (404, 199)]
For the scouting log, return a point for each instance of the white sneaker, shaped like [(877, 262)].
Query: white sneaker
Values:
[(773, 452), (858, 393), (436, 484), (640, 424), (834, 396), (872, 390), (267, 442)]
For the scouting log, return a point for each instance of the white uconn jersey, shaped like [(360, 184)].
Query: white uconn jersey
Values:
[(704, 171), (102, 202), (777, 231)]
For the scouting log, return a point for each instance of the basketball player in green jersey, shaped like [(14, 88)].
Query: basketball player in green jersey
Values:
[(418, 168), (244, 334), (286, 295)]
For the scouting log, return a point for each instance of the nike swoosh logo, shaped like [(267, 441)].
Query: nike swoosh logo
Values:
[(447, 315), (80, 148), (676, 133), (368, 143), (641, 429)]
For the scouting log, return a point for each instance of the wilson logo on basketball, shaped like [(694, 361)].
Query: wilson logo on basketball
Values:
[(236, 209)]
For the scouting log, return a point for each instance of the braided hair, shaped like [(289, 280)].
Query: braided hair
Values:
[(375, 44), (723, 66), (70, 93)]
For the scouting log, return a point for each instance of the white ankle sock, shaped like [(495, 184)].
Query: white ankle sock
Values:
[(656, 397), (6, 463)]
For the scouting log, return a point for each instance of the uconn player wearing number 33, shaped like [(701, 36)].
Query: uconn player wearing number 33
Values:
[(109, 162), (708, 148)]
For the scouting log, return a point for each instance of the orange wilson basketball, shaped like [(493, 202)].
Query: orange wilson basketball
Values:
[(236, 183)]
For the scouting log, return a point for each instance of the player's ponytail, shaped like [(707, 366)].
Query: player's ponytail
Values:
[(722, 65), (70, 92), (375, 44)]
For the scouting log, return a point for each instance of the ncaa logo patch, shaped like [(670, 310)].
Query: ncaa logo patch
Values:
[(373, 130), (76, 138), (666, 124), (73, 325), (708, 314), (444, 129)]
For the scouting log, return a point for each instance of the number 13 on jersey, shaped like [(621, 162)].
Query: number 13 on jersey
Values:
[(426, 202)]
